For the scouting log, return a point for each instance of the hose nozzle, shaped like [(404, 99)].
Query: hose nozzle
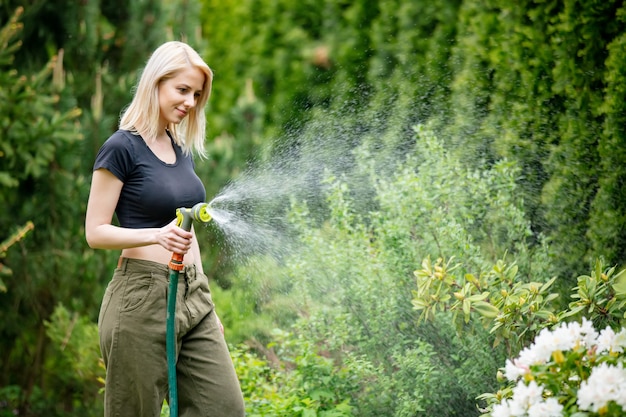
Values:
[(184, 219), (185, 216)]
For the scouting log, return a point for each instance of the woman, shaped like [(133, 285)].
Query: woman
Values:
[(142, 173)]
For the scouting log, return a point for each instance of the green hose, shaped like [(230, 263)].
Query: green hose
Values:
[(170, 343), (185, 218)]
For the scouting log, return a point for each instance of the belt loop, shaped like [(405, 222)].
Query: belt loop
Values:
[(122, 263)]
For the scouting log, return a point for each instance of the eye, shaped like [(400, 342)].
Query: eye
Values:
[(197, 95)]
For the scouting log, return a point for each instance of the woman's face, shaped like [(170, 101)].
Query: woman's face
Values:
[(179, 94)]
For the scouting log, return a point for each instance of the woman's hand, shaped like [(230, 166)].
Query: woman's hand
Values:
[(174, 238)]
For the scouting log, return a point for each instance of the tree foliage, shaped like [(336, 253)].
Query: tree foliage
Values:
[(517, 166)]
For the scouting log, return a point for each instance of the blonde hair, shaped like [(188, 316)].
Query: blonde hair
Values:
[(141, 117)]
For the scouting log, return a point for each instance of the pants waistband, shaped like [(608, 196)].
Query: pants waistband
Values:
[(124, 264)]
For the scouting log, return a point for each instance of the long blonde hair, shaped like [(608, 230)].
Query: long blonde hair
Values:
[(142, 115)]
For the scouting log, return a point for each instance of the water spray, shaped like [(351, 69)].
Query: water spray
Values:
[(184, 219)]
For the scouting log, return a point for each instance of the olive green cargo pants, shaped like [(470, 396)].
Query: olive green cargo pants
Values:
[(132, 326)]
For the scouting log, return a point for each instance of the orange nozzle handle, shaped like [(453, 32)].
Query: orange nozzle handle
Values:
[(176, 263)]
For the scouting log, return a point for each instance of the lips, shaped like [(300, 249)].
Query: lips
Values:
[(182, 113)]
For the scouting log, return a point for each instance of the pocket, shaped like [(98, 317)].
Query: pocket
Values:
[(138, 288), (199, 302), (198, 282), (201, 284)]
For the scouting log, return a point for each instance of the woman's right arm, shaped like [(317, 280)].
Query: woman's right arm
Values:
[(102, 234)]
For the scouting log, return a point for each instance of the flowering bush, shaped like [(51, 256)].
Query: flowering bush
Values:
[(571, 371)]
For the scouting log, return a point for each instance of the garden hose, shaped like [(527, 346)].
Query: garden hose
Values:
[(184, 219)]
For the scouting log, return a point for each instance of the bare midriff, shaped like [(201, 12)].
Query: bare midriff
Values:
[(155, 253)]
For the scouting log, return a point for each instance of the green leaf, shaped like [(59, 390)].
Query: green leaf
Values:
[(619, 286), (547, 284), (544, 314), (598, 269), (479, 297), (466, 309), (485, 309), (620, 275), (574, 310), (551, 297), (320, 395)]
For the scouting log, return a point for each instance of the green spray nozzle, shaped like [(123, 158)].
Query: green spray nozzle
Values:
[(186, 216), (184, 219)]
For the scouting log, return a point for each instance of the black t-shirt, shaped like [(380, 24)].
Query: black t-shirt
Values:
[(153, 189)]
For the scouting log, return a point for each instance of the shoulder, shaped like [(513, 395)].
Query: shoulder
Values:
[(118, 153), (121, 144), (122, 139)]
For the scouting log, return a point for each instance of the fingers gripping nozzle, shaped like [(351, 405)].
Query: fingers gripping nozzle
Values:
[(184, 219)]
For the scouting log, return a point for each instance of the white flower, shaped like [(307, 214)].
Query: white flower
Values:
[(566, 337), (531, 356), (562, 338), (545, 344), (606, 340), (620, 341), (578, 334), (524, 396), (589, 332), (516, 409), (605, 384), (501, 410), (621, 397), (548, 408), (514, 370)]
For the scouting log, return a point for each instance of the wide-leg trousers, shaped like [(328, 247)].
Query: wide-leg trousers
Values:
[(132, 327)]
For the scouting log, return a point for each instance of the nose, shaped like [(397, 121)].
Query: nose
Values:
[(190, 100)]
